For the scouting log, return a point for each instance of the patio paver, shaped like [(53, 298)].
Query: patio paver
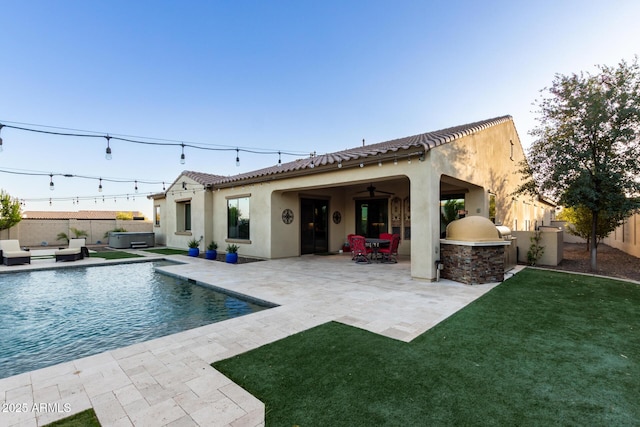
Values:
[(168, 381)]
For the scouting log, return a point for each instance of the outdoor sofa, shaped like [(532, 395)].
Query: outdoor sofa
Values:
[(76, 250), (11, 253)]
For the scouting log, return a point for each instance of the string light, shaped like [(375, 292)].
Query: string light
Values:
[(51, 186), (69, 175), (237, 157), (100, 186), (279, 156), (1, 126), (182, 159), (136, 186), (148, 141), (339, 164), (108, 150)]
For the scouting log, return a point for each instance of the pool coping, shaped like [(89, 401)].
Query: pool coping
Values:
[(170, 381)]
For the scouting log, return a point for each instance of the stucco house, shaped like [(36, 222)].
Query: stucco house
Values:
[(310, 205)]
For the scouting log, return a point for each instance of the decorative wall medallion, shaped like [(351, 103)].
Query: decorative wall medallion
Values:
[(337, 217), (287, 216)]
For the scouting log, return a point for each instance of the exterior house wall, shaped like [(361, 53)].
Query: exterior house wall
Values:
[(171, 222), (479, 164)]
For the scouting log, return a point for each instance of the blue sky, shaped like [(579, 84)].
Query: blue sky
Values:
[(297, 76)]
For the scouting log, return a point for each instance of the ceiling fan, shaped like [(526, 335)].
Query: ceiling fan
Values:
[(372, 191)]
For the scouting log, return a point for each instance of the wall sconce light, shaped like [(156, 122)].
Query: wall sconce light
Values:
[(184, 185)]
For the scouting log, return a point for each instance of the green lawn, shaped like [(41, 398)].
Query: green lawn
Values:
[(113, 255), (543, 348), (167, 251), (82, 419)]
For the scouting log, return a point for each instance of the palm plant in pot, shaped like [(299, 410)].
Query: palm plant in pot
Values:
[(194, 247), (211, 252), (232, 254)]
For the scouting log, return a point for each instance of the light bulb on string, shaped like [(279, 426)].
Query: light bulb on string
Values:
[(1, 126), (163, 187), (136, 186), (182, 158), (51, 185), (108, 150), (49, 201), (279, 160), (237, 157), (100, 186)]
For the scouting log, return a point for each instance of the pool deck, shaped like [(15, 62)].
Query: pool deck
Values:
[(169, 381)]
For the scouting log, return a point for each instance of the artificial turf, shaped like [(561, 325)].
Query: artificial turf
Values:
[(167, 251), (543, 348), (113, 255), (85, 418)]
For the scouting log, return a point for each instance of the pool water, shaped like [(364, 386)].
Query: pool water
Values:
[(53, 316)]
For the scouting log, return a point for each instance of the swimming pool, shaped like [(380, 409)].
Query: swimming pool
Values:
[(53, 316)]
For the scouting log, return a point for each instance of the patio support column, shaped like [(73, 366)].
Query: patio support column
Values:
[(425, 224)]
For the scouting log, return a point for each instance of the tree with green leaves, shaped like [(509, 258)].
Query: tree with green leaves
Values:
[(587, 146), (10, 212), (579, 223)]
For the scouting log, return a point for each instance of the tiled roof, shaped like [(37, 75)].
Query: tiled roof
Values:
[(203, 178), (424, 141), (84, 214)]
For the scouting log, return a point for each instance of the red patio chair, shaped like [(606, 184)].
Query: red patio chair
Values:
[(389, 254), (360, 250), (350, 240), (386, 236)]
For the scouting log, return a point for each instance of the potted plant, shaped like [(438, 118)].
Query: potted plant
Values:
[(211, 252), (232, 254), (194, 247)]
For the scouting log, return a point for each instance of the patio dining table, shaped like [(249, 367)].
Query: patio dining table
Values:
[(376, 244)]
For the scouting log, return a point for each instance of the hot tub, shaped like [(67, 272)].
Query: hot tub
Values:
[(131, 239)]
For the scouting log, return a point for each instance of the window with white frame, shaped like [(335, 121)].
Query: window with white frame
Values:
[(183, 215), (238, 218), (156, 215)]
